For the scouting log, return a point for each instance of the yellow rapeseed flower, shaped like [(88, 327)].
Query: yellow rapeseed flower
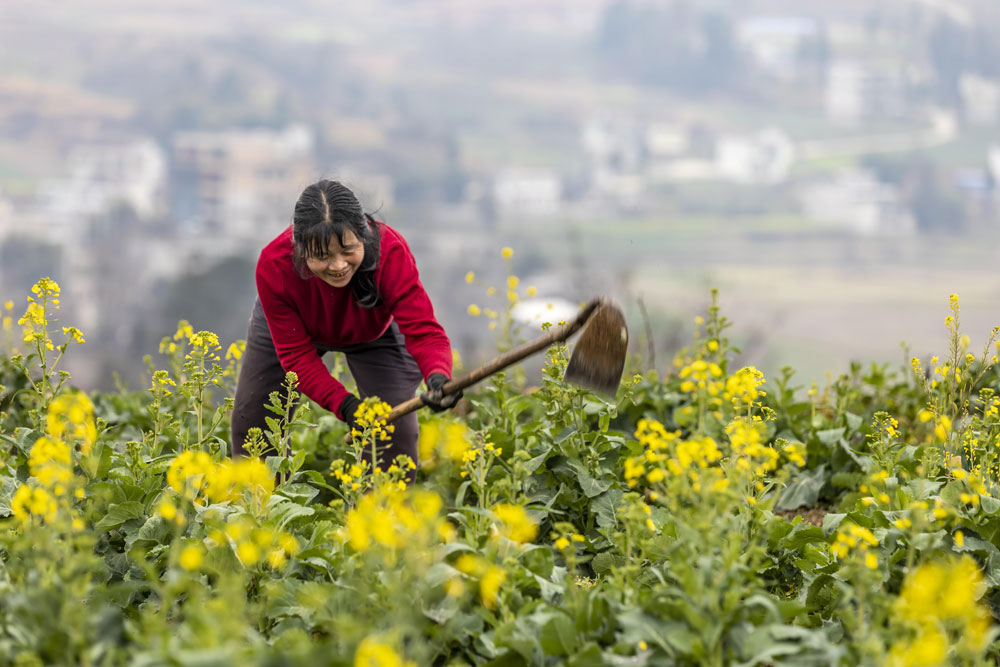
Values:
[(471, 565), (189, 471), (168, 510), (288, 543), (235, 350), (515, 524), (191, 557), (31, 501), (371, 653), (507, 252), (470, 277), (474, 310), (248, 552), (927, 649), (235, 479), (276, 559), (489, 586)]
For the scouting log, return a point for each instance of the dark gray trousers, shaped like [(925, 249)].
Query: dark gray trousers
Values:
[(380, 368)]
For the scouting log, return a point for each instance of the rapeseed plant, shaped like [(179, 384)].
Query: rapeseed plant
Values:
[(389, 520), (373, 653), (53, 485), (940, 610), (443, 440), (949, 388), (35, 322), (514, 523)]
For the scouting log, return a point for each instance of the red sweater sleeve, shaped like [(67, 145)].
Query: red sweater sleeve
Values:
[(410, 306), (294, 346)]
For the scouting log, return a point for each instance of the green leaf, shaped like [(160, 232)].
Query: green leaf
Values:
[(519, 636), (767, 642), (804, 491), (284, 511), (803, 536), (539, 560), (303, 493), (830, 436), (104, 464), (446, 550), (589, 656), (316, 478), (8, 487), (989, 504), (604, 422), (604, 562), (559, 636), (853, 421), (508, 659), (155, 530), (460, 494), (531, 465), (443, 611), (604, 507), (119, 514), (565, 434), (831, 522), (591, 487)]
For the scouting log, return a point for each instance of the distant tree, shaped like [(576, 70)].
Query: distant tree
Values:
[(671, 45), (814, 52), (23, 261), (935, 208), (888, 168), (218, 299), (949, 49), (720, 65)]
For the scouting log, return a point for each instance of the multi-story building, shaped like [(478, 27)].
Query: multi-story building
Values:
[(241, 184)]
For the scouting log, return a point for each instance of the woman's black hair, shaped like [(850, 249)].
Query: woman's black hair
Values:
[(326, 209)]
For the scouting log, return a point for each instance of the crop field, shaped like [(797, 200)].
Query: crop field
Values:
[(706, 515)]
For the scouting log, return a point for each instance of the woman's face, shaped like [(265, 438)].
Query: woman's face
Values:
[(338, 265)]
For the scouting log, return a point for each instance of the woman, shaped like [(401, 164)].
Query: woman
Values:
[(339, 280)]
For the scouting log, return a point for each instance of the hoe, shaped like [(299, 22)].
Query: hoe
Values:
[(596, 363)]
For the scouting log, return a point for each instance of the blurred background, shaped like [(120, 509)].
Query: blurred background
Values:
[(831, 167)]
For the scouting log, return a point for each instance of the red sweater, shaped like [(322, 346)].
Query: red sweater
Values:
[(302, 313)]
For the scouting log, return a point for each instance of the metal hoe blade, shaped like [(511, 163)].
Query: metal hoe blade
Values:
[(598, 359)]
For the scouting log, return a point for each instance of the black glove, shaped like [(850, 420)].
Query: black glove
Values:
[(434, 398), (347, 408)]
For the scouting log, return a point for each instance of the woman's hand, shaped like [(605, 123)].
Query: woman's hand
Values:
[(435, 398), (348, 407)]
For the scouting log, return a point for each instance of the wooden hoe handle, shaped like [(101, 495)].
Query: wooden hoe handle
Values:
[(554, 335)]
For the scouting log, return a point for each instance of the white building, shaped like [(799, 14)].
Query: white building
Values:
[(858, 202), (666, 140), (527, 192), (613, 144), (993, 160), (99, 177), (241, 183), (6, 217), (775, 42), (856, 91), (980, 99), (763, 157)]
